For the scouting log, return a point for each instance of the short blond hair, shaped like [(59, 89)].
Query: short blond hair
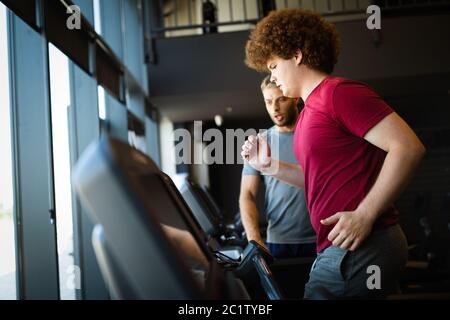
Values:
[(267, 84)]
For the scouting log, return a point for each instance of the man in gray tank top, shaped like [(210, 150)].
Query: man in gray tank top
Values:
[(289, 232)]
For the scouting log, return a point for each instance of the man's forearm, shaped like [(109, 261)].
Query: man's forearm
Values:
[(250, 219), (287, 172), (398, 168)]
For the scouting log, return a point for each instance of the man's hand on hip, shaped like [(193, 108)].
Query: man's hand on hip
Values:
[(350, 230)]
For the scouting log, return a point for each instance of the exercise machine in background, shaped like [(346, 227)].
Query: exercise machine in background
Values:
[(147, 242)]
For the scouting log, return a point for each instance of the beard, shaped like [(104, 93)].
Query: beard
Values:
[(290, 117)]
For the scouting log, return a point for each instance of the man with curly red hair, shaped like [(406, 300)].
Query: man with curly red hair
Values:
[(355, 155)]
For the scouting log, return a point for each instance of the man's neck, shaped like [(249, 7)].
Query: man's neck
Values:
[(285, 128), (312, 78)]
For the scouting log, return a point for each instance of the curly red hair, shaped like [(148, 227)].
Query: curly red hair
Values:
[(283, 32)]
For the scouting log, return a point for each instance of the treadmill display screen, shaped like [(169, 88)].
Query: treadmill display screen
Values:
[(162, 200)]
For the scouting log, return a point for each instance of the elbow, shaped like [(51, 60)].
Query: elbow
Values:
[(411, 152), (245, 199), (242, 200), (420, 151), (241, 203), (416, 153)]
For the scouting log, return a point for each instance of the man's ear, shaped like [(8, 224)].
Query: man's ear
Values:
[(298, 57)]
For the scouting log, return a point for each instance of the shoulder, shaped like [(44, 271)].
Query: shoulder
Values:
[(357, 107), (347, 93), (343, 88)]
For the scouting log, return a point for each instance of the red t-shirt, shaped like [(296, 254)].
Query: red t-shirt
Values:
[(340, 166)]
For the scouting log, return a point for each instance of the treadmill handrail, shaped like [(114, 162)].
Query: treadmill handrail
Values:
[(265, 275)]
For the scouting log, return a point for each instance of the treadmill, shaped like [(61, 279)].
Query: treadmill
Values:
[(220, 237), (209, 220), (146, 240)]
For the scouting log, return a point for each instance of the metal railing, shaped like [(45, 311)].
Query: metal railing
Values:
[(186, 17), (411, 4)]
